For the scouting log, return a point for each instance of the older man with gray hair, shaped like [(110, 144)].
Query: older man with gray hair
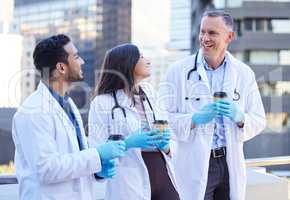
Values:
[(214, 106)]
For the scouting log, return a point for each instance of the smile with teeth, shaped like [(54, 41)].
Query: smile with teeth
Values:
[(207, 45)]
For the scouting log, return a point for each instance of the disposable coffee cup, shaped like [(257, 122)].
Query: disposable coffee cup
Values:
[(116, 137), (161, 125), (219, 95)]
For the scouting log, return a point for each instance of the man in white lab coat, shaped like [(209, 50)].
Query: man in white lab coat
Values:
[(52, 158), (211, 131)]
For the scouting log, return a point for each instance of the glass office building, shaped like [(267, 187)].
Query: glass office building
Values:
[(94, 25)]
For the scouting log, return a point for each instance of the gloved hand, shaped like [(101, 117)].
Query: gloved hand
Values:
[(205, 115), (230, 110), (108, 169), (143, 139), (111, 150), (164, 144)]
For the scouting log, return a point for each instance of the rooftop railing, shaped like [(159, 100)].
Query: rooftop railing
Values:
[(269, 161)]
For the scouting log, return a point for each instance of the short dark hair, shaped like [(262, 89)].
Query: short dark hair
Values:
[(118, 69), (228, 19), (48, 52)]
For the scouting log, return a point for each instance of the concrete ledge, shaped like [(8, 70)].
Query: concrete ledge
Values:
[(7, 179), (265, 186), (260, 186)]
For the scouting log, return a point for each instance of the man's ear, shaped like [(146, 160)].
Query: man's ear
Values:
[(60, 67), (232, 36)]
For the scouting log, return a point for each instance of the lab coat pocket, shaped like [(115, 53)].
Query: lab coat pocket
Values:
[(129, 160), (193, 105)]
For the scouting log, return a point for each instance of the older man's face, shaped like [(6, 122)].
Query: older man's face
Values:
[(214, 37)]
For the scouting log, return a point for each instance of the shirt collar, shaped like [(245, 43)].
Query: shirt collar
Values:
[(61, 100), (207, 68)]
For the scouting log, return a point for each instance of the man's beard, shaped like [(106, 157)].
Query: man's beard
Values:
[(74, 77)]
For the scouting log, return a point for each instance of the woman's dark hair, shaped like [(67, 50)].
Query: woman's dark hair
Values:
[(118, 69), (48, 52)]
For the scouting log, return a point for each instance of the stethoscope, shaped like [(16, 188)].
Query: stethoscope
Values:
[(237, 95), (117, 105)]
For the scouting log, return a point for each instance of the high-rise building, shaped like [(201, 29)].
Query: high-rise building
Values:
[(6, 16), (263, 42), (93, 25), (29, 74), (180, 26), (10, 56), (184, 25)]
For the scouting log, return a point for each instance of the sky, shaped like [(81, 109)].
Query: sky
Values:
[(150, 23)]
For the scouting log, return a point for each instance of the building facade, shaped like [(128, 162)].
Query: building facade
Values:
[(93, 25), (263, 41), (180, 26)]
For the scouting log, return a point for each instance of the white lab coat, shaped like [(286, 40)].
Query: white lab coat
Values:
[(49, 164), (194, 145), (131, 181)]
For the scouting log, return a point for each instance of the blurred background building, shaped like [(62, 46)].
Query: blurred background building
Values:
[(164, 31), (262, 41), (10, 55), (94, 26)]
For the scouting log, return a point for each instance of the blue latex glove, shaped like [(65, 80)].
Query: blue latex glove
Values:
[(143, 139), (108, 169), (205, 115), (111, 150), (164, 144), (230, 110)]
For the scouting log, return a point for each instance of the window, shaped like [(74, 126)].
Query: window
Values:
[(239, 55), (227, 3), (285, 57), (237, 27), (277, 121), (247, 56), (260, 25), (248, 24), (278, 25), (264, 57)]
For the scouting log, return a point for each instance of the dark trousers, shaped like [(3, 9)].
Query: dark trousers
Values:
[(218, 180), (161, 185)]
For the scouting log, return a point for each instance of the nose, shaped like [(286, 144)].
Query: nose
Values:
[(205, 37), (82, 61)]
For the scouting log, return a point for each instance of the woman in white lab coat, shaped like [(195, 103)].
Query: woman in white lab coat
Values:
[(122, 107)]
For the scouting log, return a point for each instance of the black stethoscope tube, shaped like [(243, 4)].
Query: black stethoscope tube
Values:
[(237, 95), (117, 105)]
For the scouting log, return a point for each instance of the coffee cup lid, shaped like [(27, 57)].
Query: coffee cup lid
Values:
[(220, 94), (160, 122)]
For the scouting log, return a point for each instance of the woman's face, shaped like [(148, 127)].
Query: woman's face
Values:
[(142, 69)]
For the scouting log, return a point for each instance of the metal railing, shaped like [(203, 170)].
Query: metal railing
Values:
[(255, 162), (8, 179), (270, 161)]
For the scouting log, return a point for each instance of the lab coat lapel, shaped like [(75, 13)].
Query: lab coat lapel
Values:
[(124, 101), (230, 80), (148, 111), (229, 85), (201, 70), (80, 122), (57, 110)]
